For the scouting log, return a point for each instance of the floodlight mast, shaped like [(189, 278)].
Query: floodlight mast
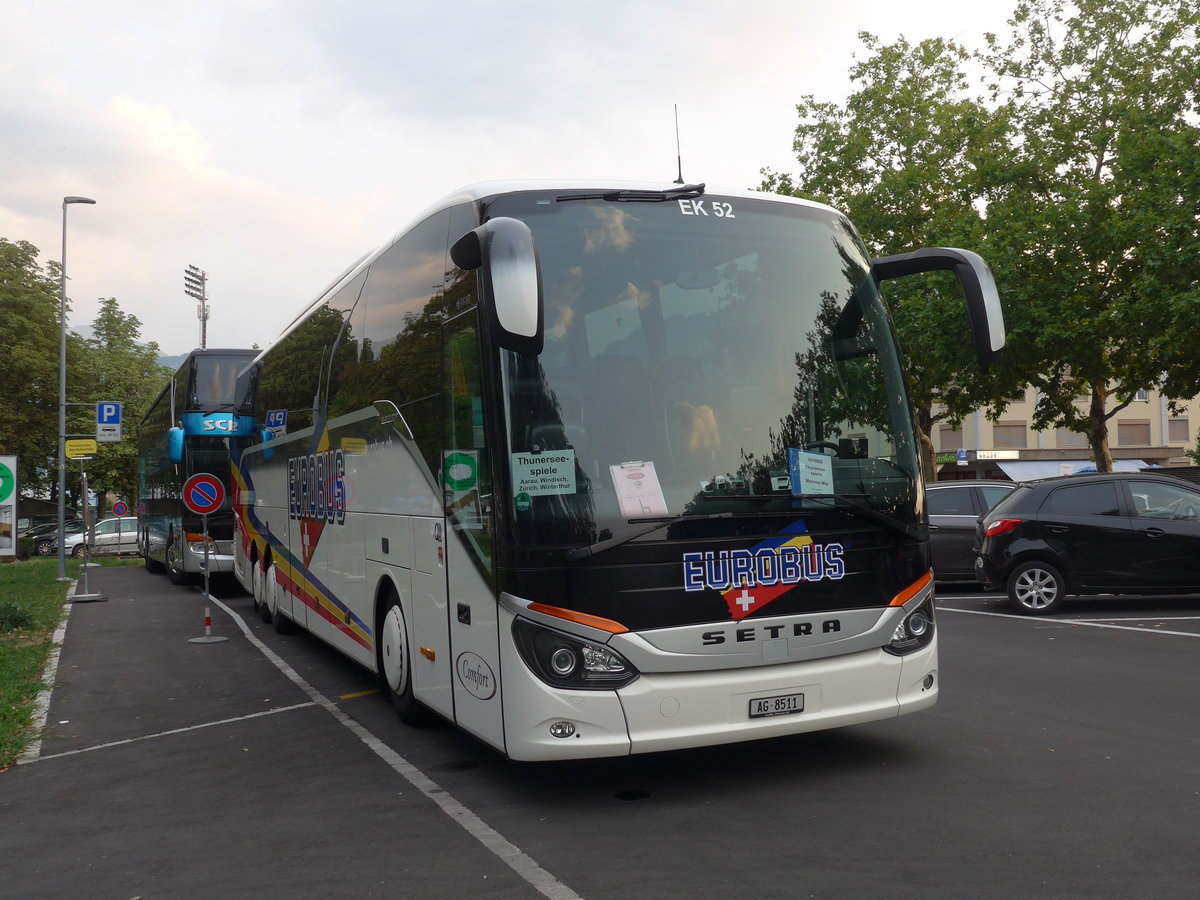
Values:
[(195, 285)]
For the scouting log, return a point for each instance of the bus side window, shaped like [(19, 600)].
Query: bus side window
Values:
[(466, 466)]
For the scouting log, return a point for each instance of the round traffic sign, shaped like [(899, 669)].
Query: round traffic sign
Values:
[(120, 508), (203, 493)]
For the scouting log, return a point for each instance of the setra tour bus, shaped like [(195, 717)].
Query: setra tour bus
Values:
[(600, 469), (199, 420)]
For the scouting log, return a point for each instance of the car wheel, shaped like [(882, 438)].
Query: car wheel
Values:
[(395, 665), (77, 551), (1036, 588), (44, 548)]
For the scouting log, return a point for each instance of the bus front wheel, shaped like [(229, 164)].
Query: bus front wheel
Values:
[(175, 572), (395, 665)]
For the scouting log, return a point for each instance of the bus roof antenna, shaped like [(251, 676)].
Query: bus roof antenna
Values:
[(678, 152)]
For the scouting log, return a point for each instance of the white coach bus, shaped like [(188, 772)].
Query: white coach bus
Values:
[(600, 469)]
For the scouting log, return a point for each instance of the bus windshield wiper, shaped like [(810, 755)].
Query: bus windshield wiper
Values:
[(685, 190), (853, 501), (659, 523)]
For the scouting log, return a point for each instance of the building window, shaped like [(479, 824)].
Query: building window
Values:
[(1142, 395), (1064, 439), (1133, 434), (1178, 432), (1009, 435), (949, 438)]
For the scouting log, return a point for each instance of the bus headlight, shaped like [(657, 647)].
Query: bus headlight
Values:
[(566, 661), (914, 631)]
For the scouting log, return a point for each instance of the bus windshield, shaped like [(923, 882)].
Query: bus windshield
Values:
[(704, 357)]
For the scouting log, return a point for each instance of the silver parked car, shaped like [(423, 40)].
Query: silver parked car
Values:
[(113, 537)]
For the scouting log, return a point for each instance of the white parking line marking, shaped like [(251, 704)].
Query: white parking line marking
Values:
[(1088, 622), (508, 853), (184, 730)]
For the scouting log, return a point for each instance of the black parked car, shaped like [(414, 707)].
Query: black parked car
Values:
[(45, 536), (1121, 533), (954, 509)]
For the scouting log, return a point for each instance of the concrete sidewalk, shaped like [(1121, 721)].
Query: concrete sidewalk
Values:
[(171, 768)]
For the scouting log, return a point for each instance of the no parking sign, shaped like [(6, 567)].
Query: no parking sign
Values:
[(203, 493)]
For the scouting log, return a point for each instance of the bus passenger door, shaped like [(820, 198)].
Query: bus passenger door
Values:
[(467, 487)]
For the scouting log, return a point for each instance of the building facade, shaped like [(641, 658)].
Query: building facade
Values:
[(1143, 434)]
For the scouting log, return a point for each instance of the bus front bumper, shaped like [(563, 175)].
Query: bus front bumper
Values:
[(671, 711)]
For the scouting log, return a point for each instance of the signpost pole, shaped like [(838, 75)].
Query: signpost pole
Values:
[(203, 494), (89, 535)]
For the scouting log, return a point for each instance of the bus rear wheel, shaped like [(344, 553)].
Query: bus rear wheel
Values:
[(281, 623), (395, 665), (174, 571), (259, 588)]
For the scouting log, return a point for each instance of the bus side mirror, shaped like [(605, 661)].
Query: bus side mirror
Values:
[(264, 437), (975, 279), (511, 281), (175, 445)]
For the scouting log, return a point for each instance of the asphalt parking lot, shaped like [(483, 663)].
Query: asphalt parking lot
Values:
[(1060, 761)]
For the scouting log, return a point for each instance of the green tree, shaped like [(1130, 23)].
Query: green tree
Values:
[(903, 158), (115, 366), (1093, 213), (29, 300)]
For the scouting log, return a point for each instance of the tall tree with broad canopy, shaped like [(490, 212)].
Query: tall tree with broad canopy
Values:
[(903, 158), (119, 368), (1094, 217)]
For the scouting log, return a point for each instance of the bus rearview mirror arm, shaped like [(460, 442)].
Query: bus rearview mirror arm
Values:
[(975, 279), (504, 251)]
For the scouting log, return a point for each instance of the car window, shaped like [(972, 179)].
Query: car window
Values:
[(993, 494), (950, 502), (1095, 499), (1152, 500), (109, 526)]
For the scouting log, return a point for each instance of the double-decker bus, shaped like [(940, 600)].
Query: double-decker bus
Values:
[(201, 419), (593, 469)]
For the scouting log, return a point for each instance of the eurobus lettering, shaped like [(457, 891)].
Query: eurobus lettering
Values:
[(593, 468)]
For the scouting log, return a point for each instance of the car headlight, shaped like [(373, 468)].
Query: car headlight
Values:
[(566, 661)]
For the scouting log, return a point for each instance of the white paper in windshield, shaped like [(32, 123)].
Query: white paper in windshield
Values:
[(811, 473), (638, 490), (537, 474)]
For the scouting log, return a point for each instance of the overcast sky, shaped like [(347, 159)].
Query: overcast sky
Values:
[(273, 142)]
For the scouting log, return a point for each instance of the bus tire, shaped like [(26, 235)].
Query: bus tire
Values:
[(174, 572), (152, 565), (279, 621), (395, 664), (258, 590)]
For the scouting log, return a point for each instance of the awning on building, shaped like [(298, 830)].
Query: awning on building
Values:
[(1029, 469)]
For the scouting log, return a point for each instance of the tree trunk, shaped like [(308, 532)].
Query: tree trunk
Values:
[(925, 436), (1098, 429)]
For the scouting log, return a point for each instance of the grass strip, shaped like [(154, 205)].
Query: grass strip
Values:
[(31, 607)]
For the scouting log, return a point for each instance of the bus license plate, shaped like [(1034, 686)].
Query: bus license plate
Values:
[(761, 707)]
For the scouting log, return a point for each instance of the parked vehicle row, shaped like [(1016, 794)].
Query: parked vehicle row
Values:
[(112, 537)]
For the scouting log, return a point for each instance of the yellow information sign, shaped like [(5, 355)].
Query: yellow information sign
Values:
[(76, 449)]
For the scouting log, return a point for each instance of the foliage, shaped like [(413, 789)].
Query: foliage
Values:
[(111, 365), (1093, 215), (903, 159), (119, 368), (1077, 179)]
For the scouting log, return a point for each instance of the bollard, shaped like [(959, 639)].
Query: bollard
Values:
[(209, 637)]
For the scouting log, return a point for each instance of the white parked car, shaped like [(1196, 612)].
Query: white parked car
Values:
[(113, 537)]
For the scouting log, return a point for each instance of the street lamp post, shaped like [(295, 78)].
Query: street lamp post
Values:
[(62, 390)]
